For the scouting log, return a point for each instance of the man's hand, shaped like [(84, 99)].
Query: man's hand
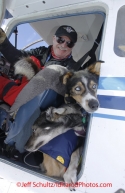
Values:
[(2, 36)]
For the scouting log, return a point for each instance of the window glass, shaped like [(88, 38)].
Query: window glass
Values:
[(119, 44), (27, 38)]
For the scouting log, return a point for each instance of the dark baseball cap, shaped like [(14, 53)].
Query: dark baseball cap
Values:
[(68, 31)]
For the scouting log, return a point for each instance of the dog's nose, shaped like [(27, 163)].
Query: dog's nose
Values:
[(93, 104)]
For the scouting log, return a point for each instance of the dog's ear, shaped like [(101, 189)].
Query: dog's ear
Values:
[(69, 99), (64, 78), (59, 111), (95, 67)]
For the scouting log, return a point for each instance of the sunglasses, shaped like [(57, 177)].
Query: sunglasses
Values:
[(60, 40)]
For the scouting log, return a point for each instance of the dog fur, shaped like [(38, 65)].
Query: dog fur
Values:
[(50, 124), (27, 67), (81, 88), (64, 82), (54, 122)]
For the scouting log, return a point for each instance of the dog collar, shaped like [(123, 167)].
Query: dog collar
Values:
[(82, 133)]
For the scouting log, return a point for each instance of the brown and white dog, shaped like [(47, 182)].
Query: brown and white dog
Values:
[(81, 87)]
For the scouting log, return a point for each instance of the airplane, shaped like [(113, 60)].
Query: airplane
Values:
[(103, 158)]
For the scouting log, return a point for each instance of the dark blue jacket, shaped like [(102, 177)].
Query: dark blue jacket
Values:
[(61, 147)]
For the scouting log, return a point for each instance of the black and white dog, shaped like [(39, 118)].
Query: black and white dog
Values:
[(65, 125), (54, 122), (81, 87)]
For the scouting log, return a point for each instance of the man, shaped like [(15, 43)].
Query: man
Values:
[(59, 53)]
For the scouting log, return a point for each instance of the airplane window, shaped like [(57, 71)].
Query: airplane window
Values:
[(29, 36), (24, 40), (24, 37), (119, 44)]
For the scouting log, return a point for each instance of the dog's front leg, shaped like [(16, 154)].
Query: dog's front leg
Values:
[(70, 176), (42, 167)]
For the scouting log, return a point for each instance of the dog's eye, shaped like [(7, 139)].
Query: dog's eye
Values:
[(94, 86), (78, 88)]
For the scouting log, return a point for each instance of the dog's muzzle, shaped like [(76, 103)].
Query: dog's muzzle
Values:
[(93, 104)]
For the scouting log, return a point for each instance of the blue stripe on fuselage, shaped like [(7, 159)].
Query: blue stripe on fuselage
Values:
[(112, 102), (115, 117), (112, 83)]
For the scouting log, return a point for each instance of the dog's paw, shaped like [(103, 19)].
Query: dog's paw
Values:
[(43, 170), (70, 180), (54, 114)]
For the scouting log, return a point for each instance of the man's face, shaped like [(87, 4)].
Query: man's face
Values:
[(61, 50)]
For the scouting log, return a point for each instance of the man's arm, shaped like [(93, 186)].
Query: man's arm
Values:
[(7, 49), (11, 53)]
